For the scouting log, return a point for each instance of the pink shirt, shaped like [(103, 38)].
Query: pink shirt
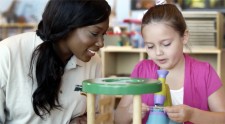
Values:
[(200, 82)]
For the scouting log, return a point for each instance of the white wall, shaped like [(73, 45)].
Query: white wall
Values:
[(123, 9)]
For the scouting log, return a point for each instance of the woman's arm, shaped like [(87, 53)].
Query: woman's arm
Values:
[(122, 114), (216, 115), (2, 106), (4, 71)]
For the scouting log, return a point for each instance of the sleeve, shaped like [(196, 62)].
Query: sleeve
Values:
[(145, 69), (4, 71), (136, 71), (213, 80)]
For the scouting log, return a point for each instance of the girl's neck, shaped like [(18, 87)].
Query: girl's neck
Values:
[(179, 67), (176, 76)]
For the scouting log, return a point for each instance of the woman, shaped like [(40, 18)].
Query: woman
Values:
[(39, 71)]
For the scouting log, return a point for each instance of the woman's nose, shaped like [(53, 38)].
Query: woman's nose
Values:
[(100, 42)]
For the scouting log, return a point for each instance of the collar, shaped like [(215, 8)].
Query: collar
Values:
[(73, 63)]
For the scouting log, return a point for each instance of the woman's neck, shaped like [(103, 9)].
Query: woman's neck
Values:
[(63, 52)]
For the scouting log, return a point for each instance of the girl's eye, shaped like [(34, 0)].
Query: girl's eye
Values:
[(150, 47), (168, 44)]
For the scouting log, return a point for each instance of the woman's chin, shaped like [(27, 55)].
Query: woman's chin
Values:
[(85, 59)]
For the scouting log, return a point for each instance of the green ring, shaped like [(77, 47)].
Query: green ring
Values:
[(121, 86)]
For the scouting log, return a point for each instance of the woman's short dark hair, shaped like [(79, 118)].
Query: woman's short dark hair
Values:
[(58, 20)]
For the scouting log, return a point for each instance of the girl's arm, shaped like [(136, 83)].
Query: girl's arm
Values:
[(122, 114), (216, 115), (217, 110)]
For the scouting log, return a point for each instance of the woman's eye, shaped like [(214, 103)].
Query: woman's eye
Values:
[(94, 34)]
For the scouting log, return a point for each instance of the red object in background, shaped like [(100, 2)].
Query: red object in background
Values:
[(112, 33), (135, 21), (126, 33)]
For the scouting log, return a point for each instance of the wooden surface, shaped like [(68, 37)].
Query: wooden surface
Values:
[(90, 108), (7, 30), (106, 110), (137, 109)]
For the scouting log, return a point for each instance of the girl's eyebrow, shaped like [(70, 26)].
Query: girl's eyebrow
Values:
[(145, 42)]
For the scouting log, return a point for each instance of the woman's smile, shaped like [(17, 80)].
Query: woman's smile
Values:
[(91, 52)]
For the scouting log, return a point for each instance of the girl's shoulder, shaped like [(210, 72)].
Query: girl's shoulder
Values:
[(145, 69), (201, 70), (197, 64), (146, 63)]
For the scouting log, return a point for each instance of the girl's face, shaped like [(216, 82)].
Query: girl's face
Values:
[(164, 45), (84, 42)]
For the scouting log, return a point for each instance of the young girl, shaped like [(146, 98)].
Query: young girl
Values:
[(197, 92)]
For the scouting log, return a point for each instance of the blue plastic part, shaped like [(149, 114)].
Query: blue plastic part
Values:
[(162, 73)]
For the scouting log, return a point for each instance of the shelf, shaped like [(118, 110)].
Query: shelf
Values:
[(202, 50), (122, 49), (10, 29), (122, 60), (206, 28), (193, 50), (18, 25)]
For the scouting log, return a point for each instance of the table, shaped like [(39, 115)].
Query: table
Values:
[(119, 86)]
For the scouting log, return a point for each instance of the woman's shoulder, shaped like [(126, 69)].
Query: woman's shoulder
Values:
[(19, 39)]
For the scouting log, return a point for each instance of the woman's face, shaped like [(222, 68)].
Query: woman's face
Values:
[(164, 45), (84, 42)]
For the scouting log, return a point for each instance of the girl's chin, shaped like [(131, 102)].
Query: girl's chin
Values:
[(166, 67)]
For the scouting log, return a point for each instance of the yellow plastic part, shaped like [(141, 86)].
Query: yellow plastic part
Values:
[(165, 92)]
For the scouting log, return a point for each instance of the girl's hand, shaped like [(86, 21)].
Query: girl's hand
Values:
[(179, 113), (144, 109)]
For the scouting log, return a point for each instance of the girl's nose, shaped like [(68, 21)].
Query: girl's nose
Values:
[(159, 52)]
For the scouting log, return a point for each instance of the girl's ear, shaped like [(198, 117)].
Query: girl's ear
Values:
[(186, 37)]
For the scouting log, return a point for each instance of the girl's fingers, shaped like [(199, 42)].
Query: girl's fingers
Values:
[(173, 115), (145, 108), (171, 109)]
